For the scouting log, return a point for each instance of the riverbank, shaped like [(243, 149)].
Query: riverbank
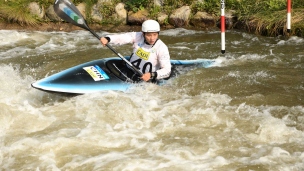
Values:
[(63, 26), (67, 27), (115, 17)]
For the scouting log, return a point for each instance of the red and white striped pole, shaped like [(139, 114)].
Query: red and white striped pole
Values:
[(288, 16), (223, 26)]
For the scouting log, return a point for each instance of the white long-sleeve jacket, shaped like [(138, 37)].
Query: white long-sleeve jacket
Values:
[(148, 58)]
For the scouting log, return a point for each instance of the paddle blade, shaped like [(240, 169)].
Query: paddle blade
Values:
[(67, 11)]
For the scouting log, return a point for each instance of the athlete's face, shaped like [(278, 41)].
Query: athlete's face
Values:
[(151, 37)]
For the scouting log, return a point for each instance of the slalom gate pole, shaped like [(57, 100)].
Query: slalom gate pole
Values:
[(288, 16), (223, 26)]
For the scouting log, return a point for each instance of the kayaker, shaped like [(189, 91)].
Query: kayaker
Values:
[(150, 55)]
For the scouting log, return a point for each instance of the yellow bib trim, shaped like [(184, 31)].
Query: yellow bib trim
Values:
[(142, 54)]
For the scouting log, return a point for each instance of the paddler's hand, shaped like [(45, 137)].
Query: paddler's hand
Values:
[(104, 41), (149, 76), (146, 76)]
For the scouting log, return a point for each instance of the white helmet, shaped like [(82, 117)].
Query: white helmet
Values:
[(150, 26)]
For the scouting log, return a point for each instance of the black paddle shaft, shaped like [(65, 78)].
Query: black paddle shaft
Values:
[(67, 11)]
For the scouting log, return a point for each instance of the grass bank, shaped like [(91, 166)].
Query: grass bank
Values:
[(268, 17), (264, 17)]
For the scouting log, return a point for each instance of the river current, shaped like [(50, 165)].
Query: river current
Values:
[(245, 114)]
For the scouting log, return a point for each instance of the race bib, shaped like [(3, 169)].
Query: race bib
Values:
[(142, 54)]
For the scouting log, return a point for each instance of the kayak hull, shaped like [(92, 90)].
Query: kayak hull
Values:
[(101, 75)]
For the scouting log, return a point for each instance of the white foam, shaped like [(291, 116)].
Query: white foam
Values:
[(8, 37), (291, 40), (179, 32), (37, 43)]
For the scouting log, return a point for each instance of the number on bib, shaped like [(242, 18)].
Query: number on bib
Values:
[(137, 63)]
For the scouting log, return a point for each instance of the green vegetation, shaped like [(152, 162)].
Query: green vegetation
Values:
[(89, 6), (16, 11), (108, 10), (136, 5), (266, 17), (212, 7)]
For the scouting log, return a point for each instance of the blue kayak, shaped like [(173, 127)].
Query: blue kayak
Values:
[(104, 74)]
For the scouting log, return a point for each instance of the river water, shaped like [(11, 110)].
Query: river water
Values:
[(245, 114)]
